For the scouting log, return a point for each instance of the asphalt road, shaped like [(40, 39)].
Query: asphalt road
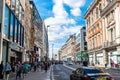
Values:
[(61, 73), (113, 72)]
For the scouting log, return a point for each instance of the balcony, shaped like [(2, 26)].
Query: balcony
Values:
[(109, 44), (95, 48)]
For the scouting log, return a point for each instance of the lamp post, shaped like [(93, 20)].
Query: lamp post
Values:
[(52, 51)]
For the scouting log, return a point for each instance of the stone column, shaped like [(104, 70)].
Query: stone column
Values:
[(105, 57), (94, 58)]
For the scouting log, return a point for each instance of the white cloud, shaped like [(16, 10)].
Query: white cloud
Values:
[(75, 6), (61, 17), (57, 33), (75, 3), (76, 11), (59, 21)]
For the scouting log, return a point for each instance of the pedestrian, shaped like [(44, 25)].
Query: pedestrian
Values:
[(35, 65), (85, 63), (46, 66), (18, 70), (7, 70), (112, 63), (1, 70)]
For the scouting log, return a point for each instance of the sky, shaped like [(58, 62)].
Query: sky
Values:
[(64, 17)]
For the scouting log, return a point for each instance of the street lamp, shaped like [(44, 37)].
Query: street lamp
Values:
[(52, 51)]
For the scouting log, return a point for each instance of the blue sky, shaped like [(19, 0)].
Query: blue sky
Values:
[(64, 17)]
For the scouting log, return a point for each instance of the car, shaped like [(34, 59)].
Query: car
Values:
[(90, 73), (70, 63)]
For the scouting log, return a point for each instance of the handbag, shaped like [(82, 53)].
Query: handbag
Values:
[(7, 72)]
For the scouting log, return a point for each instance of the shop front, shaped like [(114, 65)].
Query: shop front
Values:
[(15, 53), (78, 57), (5, 51), (91, 59), (84, 56), (114, 56), (99, 59)]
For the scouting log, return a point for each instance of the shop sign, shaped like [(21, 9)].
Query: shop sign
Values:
[(14, 45)]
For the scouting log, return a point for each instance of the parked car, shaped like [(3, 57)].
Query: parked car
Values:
[(90, 73), (70, 63)]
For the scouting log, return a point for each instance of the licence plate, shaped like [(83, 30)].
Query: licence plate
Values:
[(101, 78)]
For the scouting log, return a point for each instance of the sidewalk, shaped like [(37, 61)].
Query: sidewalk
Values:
[(38, 75)]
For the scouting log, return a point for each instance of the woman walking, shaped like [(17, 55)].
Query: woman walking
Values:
[(7, 69)]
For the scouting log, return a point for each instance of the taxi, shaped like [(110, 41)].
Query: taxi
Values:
[(90, 73)]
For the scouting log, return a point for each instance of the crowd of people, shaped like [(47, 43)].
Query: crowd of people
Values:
[(21, 69)]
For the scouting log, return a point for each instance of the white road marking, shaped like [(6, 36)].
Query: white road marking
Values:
[(69, 67)]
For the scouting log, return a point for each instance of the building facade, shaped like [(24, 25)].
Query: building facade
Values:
[(67, 50), (36, 33), (103, 37), (81, 45), (45, 53), (12, 30)]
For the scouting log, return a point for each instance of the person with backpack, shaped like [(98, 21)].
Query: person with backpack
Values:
[(18, 70)]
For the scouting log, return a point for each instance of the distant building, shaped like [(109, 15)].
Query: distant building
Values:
[(81, 45), (67, 50)]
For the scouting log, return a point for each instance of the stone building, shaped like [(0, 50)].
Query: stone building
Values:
[(67, 50), (103, 31)]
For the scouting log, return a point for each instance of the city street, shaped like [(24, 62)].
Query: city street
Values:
[(62, 72)]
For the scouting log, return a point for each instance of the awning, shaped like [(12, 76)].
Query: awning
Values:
[(78, 55), (83, 55)]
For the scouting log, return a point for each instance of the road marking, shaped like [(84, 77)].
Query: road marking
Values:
[(69, 67)]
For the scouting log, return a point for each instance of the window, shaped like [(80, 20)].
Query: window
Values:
[(97, 11), (13, 5), (99, 40), (6, 22), (22, 36), (17, 8), (84, 33), (112, 35), (93, 45), (19, 33), (11, 26), (20, 15), (15, 31)]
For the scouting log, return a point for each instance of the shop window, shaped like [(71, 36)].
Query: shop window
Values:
[(4, 51), (6, 22)]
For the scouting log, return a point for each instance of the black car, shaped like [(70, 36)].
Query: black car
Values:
[(90, 73)]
